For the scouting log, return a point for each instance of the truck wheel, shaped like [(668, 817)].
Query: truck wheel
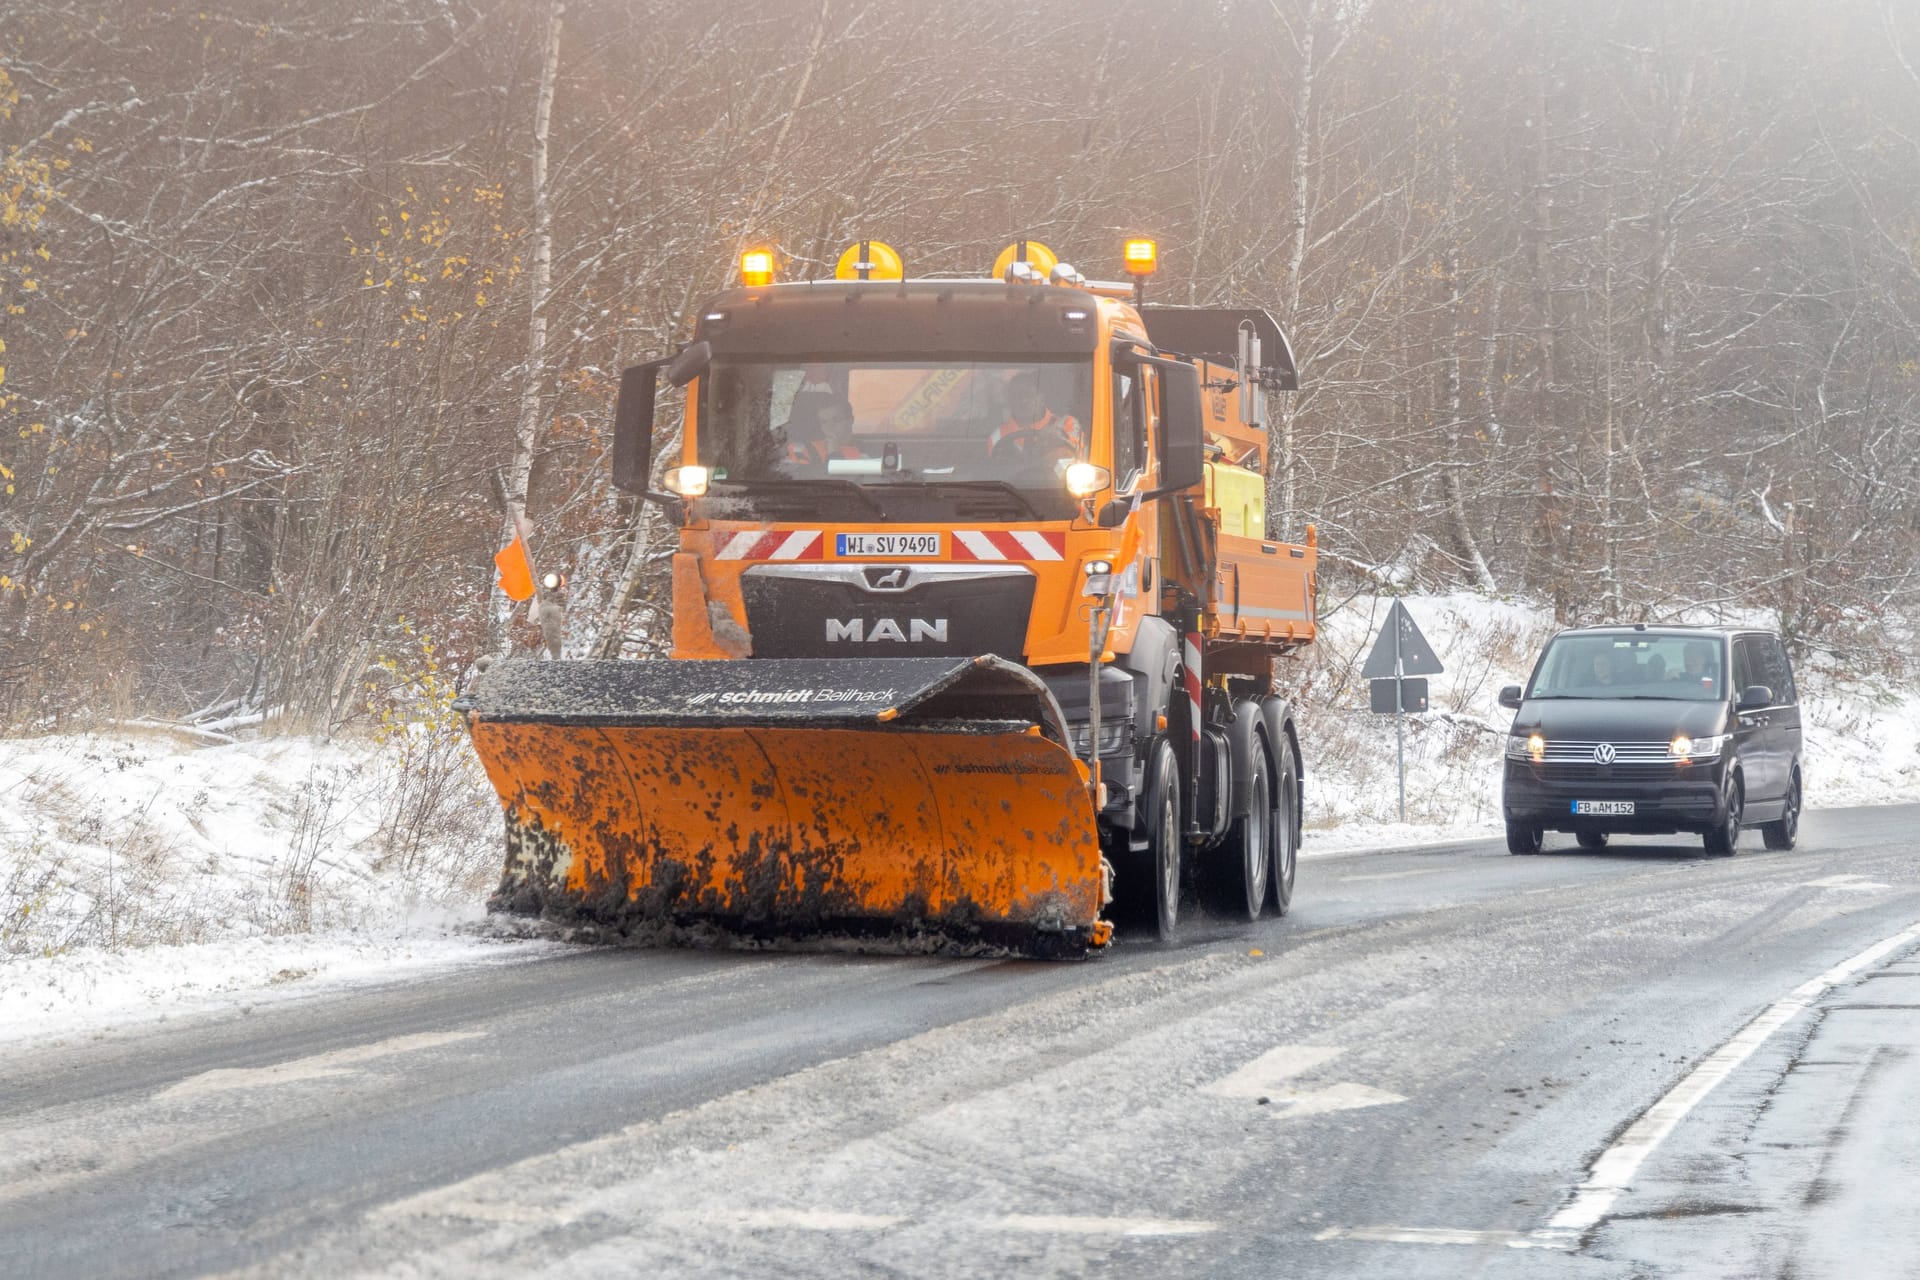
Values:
[(1238, 879), (1166, 834), (1285, 858)]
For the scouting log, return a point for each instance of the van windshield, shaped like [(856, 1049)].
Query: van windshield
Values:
[(1636, 666)]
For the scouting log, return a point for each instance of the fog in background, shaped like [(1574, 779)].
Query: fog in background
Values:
[(1612, 304)]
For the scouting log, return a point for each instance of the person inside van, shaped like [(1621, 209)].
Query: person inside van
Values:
[(1698, 660)]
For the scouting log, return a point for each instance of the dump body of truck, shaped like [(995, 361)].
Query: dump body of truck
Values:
[(974, 624)]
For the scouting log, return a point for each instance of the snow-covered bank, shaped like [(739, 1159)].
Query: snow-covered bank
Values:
[(91, 989), (144, 872), (1862, 729)]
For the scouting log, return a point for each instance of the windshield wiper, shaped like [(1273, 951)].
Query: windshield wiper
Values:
[(999, 488), (748, 487)]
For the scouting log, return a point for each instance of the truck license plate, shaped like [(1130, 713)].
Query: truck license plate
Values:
[(1602, 808), (887, 544)]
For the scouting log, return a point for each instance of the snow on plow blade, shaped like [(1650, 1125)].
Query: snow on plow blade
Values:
[(918, 796)]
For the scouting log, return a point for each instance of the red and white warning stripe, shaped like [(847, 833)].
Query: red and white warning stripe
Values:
[(1002, 544), (752, 544), (1190, 661)]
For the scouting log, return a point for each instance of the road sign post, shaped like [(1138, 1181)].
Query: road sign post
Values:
[(1400, 652)]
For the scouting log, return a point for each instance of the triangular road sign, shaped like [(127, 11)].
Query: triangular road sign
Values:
[(1416, 655)]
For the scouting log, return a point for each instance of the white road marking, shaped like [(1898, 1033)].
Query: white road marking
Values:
[(320, 1066), (781, 1220), (1858, 884), (1025, 1223), (1265, 1074), (1418, 1235), (1345, 1096), (1613, 1171), (1393, 875), (1051, 1224)]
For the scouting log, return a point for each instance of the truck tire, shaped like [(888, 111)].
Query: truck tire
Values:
[(1285, 859), (1147, 892), (1241, 867)]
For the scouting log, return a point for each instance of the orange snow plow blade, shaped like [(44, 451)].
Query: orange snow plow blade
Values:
[(932, 798)]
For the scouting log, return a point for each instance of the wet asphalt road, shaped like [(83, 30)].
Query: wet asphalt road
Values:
[(1410, 1078)]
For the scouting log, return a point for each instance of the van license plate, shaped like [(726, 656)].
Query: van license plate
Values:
[(887, 544), (1602, 808)]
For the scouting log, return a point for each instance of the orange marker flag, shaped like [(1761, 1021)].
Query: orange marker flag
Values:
[(516, 569)]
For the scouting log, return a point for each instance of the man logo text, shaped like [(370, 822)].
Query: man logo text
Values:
[(861, 631)]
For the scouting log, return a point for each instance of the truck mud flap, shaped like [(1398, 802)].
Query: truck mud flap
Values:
[(934, 798)]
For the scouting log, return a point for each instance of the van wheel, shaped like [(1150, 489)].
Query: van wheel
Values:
[(1240, 870), (1591, 839), (1524, 837), (1783, 833), (1722, 839)]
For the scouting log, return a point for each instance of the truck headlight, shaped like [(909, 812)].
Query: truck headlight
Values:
[(1114, 736), (1083, 479), (688, 482)]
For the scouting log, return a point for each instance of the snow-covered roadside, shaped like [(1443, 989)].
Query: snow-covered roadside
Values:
[(147, 874), (1862, 737), (91, 990)]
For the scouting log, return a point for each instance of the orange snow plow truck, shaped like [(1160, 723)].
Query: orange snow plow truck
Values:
[(974, 625)]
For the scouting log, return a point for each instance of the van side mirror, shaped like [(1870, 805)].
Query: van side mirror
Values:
[(1755, 696), (1510, 697)]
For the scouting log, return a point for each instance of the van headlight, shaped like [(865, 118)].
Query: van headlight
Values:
[(1530, 747), (1684, 748)]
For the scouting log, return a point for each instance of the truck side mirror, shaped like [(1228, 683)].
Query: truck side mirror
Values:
[(633, 414), (689, 364), (633, 428), (1182, 427), (1510, 697)]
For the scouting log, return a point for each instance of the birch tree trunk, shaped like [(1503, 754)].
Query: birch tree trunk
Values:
[(526, 436)]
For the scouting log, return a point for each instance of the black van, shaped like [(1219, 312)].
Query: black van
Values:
[(1654, 729)]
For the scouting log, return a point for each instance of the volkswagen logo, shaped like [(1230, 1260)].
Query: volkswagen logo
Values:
[(1603, 754)]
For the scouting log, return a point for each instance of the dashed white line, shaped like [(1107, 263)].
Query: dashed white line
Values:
[(781, 1220), (1418, 1235), (1856, 884), (1268, 1072), (320, 1066), (1054, 1224)]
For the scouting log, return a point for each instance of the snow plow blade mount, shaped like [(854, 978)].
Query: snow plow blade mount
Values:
[(935, 799)]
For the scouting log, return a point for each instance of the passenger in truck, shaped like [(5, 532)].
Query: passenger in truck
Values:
[(1032, 431), (826, 432)]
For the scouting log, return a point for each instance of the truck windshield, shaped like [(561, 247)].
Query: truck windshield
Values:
[(1637, 666), (985, 437)]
